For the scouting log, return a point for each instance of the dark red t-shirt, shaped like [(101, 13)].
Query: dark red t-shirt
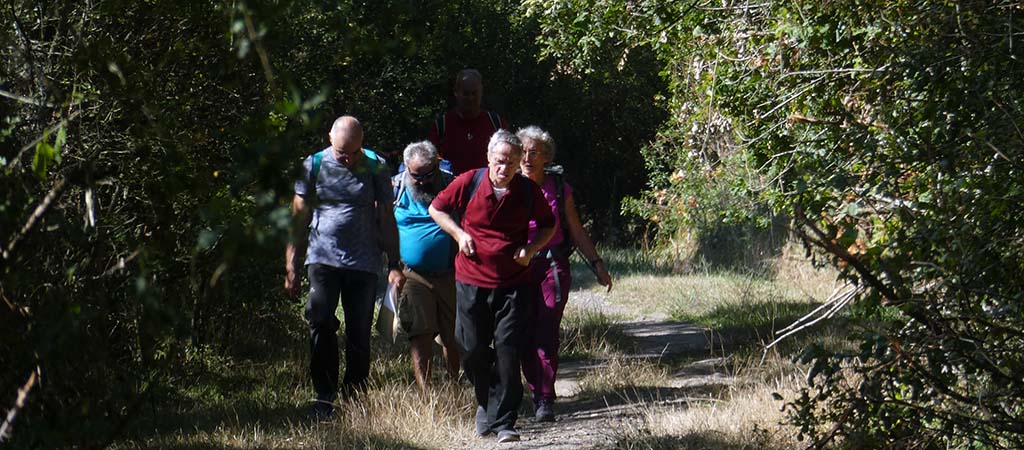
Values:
[(465, 140), (498, 228)]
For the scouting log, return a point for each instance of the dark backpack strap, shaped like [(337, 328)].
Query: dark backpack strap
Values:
[(529, 198), (495, 120), (439, 123), (475, 182), (398, 184), (567, 245), (560, 198), (446, 177)]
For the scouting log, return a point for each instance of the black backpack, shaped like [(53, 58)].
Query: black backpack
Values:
[(568, 246)]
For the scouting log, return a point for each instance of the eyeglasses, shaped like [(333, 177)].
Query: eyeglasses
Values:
[(422, 176)]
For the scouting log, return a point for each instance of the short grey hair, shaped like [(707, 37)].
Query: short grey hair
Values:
[(503, 136), (424, 150), (535, 134)]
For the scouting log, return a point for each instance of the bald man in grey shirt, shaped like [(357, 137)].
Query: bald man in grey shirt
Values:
[(351, 222)]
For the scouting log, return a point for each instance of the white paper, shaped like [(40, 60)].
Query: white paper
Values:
[(387, 316), (391, 298)]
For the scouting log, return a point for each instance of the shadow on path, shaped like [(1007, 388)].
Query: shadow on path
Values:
[(656, 339)]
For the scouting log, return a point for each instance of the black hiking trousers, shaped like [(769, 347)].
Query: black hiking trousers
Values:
[(357, 290), (497, 317)]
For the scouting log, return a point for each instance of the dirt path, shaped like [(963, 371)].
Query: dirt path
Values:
[(587, 421)]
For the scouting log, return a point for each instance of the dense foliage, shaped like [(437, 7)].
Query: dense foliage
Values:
[(890, 133), (147, 152)]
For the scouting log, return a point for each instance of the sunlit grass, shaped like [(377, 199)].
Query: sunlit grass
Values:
[(261, 401), (268, 407), (621, 375), (588, 333), (745, 418)]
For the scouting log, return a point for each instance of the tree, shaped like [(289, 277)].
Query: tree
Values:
[(889, 132), (148, 151)]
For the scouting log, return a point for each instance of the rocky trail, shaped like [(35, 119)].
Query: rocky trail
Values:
[(588, 421)]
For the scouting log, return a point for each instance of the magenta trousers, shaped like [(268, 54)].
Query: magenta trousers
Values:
[(540, 358)]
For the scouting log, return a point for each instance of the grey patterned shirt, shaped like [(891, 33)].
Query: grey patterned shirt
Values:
[(346, 230)]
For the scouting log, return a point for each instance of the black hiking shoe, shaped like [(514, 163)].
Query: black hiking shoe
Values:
[(545, 411), (321, 410)]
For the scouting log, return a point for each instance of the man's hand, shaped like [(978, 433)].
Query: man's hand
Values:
[(523, 256), (397, 278), (466, 245), (291, 284)]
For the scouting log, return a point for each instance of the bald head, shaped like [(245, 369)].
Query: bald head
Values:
[(346, 125), (347, 140)]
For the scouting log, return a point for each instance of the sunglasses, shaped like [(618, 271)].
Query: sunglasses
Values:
[(422, 176)]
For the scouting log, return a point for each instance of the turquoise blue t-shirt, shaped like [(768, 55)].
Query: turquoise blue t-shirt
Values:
[(423, 244)]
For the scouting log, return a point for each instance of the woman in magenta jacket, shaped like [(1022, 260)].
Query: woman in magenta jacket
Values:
[(550, 270)]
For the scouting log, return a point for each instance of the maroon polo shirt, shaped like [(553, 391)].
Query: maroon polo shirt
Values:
[(498, 228), (465, 140)]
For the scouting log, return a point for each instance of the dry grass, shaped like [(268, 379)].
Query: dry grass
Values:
[(399, 414), (746, 308), (745, 418), (589, 333), (263, 404), (386, 417), (621, 375), (795, 273)]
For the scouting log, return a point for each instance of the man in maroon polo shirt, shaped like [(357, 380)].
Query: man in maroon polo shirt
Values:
[(461, 135), (492, 275)]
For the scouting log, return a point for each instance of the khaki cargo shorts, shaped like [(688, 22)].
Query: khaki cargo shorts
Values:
[(427, 305)]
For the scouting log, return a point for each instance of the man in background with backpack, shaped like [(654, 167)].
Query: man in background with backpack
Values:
[(426, 306), (350, 197), (461, 134)]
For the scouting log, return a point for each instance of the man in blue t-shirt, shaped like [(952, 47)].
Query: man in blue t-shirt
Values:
[(350, 198), (426, 306)]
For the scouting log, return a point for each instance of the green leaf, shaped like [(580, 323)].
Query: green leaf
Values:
[(852, 209), (62, 138), (45, 154)]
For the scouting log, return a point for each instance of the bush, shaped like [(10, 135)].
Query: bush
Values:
[(888, 132)]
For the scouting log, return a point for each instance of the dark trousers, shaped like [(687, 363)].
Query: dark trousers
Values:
[(356, 289), (497, 317)]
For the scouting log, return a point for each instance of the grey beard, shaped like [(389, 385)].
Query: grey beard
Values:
[(424, 194)]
